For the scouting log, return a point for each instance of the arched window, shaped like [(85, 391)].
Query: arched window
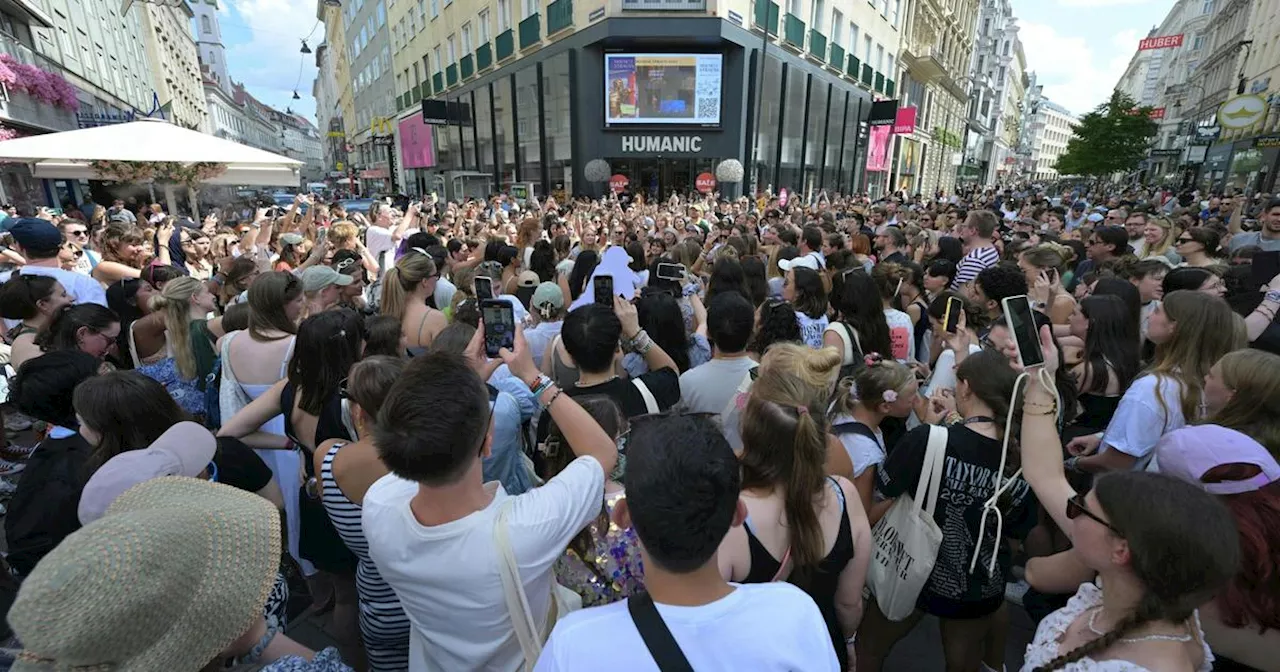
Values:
[(206, 26)]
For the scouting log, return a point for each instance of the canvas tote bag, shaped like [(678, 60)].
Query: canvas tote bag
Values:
[(907, 539)]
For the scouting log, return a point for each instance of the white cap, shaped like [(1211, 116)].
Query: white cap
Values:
[(185, 449), (807, 261)]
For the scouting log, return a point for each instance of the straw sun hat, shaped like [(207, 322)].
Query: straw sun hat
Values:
[(177, 570)]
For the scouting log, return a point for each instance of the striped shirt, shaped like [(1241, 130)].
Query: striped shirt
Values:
[(976, 261)]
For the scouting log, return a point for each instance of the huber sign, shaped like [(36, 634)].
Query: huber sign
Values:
[(665, 144), (1165, 42)]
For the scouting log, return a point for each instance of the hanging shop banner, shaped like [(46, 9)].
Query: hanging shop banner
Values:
[(878, 149), (1164, 42), (883, 113), (904, 122)]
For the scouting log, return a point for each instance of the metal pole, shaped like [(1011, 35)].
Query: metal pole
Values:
[(755, 142)]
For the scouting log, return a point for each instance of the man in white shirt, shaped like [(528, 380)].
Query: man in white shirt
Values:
[(430, 523), (682, 498), (38, 241), (710, 387)]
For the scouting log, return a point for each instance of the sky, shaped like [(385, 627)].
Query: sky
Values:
[(1080, 48), (263, 39)]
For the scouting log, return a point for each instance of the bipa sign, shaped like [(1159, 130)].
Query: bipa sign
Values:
[(661, 144), (1164, 42)]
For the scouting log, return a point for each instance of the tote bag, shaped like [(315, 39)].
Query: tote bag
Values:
[(563, 600), (907, 539)]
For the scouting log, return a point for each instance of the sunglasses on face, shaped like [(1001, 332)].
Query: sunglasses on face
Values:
[(1186, 240), (80, 233), (1076, 508)]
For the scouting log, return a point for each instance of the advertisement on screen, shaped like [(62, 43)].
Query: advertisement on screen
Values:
[(663, 89)]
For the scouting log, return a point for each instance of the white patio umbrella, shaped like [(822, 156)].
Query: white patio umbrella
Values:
[(67, 155)]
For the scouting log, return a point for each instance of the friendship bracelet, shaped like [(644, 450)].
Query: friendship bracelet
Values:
[(553, 398), (273, 629)]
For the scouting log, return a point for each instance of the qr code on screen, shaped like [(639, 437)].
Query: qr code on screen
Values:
[(708, 108)]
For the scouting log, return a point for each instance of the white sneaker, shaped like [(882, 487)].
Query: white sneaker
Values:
[(8, 468)]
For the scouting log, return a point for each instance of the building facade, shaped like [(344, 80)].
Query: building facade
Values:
[(367, 38), (175, 62), (1053, 128), (937, 50), (661, 91), (209, 48), (998, 82)]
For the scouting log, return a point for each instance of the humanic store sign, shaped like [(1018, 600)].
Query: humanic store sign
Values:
[(665, 144)]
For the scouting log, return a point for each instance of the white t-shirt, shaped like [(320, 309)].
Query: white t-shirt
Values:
[(761, 626), (446, 576), (1139, 421), (944, 370), (901, 335), (863, 452), (82, 288), (710, 387)]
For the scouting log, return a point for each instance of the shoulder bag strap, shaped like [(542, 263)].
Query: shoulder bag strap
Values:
[(847, 355), (513, 589), (650, 403), (657, 637), (938, 454), (786, 558)]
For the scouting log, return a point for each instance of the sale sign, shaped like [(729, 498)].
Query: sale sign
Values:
[(618, 182), (1164, 42), (706, 183)]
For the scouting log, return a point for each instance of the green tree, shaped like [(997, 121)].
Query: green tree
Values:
[(1113, 138)]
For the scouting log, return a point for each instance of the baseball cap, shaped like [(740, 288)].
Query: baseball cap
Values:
[(317, 278), (1095, 217), (33, 233), (185, 449), (807, 261), (1079, 205), (527, 279), (291, 238), (547, 294), (1189, 453)]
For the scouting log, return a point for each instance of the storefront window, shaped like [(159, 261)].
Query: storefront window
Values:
[(446, 146), (817, 129), (502, 108), (528, 125), (790, 175), (767, 128), (835, 170), (466, 143), (556, 108), (484, 127)]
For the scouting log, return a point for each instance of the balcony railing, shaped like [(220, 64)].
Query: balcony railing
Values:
[(416, 94), (765, 15), (854, 67), (530, 31), (868, 75), (437, 80), (506, 45), (467, 66), (484, 56), (793, 31), (559, 16), (451, 74), (836, 59), (817, 44)]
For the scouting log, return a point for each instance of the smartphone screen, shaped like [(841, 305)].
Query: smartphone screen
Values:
[(602, 287), (499, 326), (951, 321), (1265, 267), (1022, 325), (484, 288), (670, 272)]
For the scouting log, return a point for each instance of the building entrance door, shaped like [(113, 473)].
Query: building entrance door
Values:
[(658, 179)]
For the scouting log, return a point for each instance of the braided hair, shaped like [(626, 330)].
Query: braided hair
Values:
[(1149, 609)]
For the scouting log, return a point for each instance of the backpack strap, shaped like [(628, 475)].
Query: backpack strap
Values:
[(650, 402), (656, 635), (854, 427)]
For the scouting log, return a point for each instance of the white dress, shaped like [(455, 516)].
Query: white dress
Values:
[(1044, 647)]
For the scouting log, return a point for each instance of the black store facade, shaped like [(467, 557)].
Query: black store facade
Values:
[(541, 118)]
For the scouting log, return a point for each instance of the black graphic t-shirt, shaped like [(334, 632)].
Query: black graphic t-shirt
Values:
[(967, 482)]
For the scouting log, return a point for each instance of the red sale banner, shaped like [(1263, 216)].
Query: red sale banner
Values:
[(1164, 42)]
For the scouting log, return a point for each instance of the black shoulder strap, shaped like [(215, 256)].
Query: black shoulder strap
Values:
[(854, 427), (493, 392), (657, 637)]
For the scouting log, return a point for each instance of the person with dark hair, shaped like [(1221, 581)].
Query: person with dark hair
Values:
[(1267, 238), (775, 323), (891, 243), (1160, 547), (1195, 279), (660, 317), (726, 276), (39, 242), (860, 326), (950, 249), (383, 336), (811, 245), (33, 300), (433, 433), (682, 499), (938, 276), (995, 284), (805, 291), (1199, 247), (594, 338), (1109, 363), (709, 388), (583, 266), (87, 327), (756, 284), (1103, 245)]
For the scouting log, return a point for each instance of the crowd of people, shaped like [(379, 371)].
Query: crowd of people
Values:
[(787, 433)]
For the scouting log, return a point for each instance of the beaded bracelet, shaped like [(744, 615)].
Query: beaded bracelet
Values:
[(273, 629)]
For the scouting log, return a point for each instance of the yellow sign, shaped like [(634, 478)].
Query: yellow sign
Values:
[(337, 134), (339, 167), (1242, 111), (380, 126)]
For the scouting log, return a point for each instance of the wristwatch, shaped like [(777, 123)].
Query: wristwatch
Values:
[(1272, 295)]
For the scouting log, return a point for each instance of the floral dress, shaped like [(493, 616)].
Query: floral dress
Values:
[(614, 570)]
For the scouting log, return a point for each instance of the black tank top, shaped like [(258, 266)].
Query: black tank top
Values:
[(823, 580)]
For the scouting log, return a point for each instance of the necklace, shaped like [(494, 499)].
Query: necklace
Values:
[(1131, 640), (973, 420)]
